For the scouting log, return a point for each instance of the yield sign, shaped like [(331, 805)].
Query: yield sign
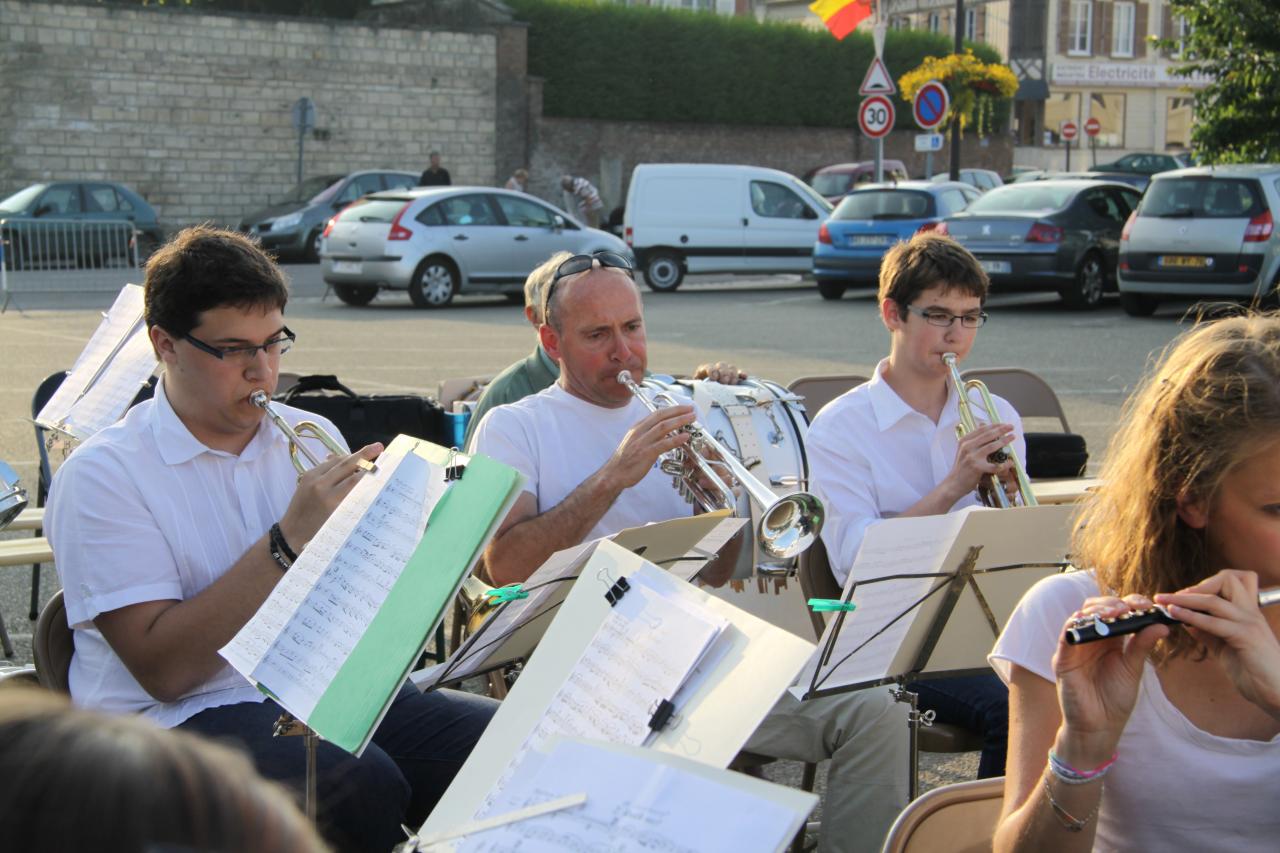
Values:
[(877, 81)]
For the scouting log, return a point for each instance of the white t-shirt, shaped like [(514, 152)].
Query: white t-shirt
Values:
[(871, 456), (1174, 786), (143, 511), (558, 440)]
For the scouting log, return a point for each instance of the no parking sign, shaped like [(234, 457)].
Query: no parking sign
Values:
[(930, 105)]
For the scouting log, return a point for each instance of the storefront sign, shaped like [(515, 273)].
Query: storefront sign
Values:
[(1130, 74)]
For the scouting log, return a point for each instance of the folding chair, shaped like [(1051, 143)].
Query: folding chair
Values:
[(53, 645), (820, 390), (1049, 454), (959, 818)]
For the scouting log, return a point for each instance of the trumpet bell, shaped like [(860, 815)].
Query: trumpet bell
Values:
[(790, 525)]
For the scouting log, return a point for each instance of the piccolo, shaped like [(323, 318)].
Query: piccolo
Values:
[(1094, 628)]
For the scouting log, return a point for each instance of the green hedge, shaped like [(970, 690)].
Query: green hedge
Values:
[(607, 61)]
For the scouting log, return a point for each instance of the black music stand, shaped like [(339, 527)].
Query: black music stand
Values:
[(932, 595)]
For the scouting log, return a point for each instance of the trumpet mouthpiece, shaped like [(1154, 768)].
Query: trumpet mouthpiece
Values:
[(949, 357), (624, 377), (260, 398)]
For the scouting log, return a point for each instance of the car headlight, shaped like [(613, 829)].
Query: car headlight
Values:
[(292, 220)]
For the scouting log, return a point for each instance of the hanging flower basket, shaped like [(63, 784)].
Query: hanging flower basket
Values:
[(975, 87)]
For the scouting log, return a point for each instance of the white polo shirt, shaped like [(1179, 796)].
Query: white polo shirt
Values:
[(872, 456), (143, 511)]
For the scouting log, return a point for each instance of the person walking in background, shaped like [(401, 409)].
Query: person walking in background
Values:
[(519, 181), (586, 197), (435, 174)]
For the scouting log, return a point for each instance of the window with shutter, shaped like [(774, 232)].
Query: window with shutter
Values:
[(1122, 30), (1080, 28)]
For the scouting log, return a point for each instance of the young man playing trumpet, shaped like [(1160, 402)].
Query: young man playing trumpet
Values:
[(888, 448), (590, 451), (172, 527)]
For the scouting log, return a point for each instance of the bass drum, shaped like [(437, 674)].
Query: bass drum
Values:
[(763, 425)]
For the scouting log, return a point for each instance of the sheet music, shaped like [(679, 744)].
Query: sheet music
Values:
[(108, 373), (305, 630), (642, 653), (901, 546), (642, 801)]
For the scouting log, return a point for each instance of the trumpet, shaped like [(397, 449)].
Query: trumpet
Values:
[(990, 489), (788, 524), (303, 429)]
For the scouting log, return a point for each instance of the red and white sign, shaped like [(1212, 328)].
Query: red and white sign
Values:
[(877, 81), (875, 116), (930, 105), (1068, 130), (1092, 127)]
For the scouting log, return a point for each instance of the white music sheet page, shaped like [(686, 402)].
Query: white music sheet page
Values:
[(108, 373), (870, 638), (642, 801), (642, 653)]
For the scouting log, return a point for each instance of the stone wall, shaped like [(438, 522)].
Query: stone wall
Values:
[(606, 152), (193, 110)]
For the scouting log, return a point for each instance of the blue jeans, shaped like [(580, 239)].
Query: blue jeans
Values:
[(361, 802), (979, 703)]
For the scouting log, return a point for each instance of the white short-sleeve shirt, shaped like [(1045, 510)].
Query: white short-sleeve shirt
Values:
[(143, 511), (1174, 786), (558, 440), (872, 456)]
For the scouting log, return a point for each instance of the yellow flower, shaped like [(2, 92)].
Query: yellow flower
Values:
[(972, 83)]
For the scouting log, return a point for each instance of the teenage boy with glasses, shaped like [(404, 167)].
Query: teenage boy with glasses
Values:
[(166, 529), (888, 448)]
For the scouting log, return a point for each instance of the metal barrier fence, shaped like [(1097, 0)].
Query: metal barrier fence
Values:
[(44, 256)]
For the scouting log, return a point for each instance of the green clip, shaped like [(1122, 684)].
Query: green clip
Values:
[(505, 594), (820, 605)]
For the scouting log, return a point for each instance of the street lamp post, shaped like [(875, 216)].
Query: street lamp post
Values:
[(955, 121)]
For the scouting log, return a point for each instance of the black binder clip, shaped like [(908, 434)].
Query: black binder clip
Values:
[(615, 593), (453, 468), (662, 715)]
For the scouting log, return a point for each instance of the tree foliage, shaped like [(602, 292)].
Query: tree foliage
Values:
[(1235, 43)]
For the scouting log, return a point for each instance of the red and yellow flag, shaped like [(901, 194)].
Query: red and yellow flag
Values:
[(841, 16)]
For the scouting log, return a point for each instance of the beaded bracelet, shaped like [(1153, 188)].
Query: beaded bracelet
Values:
[(1072, 776), (1069, 822), (280, 550)]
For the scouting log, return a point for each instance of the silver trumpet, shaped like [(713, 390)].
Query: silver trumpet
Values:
[(788, 524), (304, 429), (991, 489)]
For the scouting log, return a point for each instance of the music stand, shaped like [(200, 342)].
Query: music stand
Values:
[(931, 596)]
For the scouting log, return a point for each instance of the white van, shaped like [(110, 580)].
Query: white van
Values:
[(701, 218)]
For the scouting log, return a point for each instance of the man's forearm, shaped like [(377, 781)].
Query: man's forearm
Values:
[(518, 552)]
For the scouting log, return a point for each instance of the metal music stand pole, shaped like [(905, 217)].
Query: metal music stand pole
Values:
[(290, 726)]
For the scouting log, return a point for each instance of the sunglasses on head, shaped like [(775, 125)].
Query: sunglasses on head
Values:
[(582, 263)]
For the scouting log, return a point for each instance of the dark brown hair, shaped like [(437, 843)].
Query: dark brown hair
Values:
[(929, 260), (1211, 403), (72, 779), (203, 268)]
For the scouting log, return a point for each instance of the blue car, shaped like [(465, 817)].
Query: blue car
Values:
[(870, 220)]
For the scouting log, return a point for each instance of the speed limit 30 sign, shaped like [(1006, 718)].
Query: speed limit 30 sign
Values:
[(875, 116)]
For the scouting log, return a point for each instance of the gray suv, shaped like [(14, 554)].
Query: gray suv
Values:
[(292, 227), (1207, 232)]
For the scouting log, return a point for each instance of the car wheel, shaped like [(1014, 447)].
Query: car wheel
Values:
[(434, 284), (1086, 290), (1138, 304), (355, 294), (311, 253), (832, 290), (663, 271)]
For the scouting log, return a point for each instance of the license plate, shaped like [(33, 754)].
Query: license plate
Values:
[(351, 267), (995, 266), (1193, 261), (868, 240)]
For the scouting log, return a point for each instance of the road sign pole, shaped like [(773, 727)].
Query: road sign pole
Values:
[(880, 160), (1067, 142), (1093, 147), (955, 123), (928, 165)]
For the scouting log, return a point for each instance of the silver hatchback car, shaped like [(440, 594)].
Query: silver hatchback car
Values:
[(1206, 232), (437, 242)]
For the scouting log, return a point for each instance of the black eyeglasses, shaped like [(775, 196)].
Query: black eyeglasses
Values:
[(582, 263), (938, 317), (274, 348)]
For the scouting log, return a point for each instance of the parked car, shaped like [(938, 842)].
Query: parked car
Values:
[(836, 181), (871, 219), (983, 179), (1146, 164), (1205, 233), (78, 204), (705, 218), (291, 227), (437, 242), (1048, 235)]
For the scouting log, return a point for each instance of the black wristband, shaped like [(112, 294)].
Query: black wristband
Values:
[(280, 549)]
